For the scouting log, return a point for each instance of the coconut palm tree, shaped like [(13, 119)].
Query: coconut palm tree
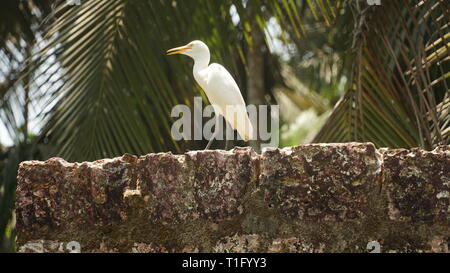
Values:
[(398, 89), (97, 75), (107, 87)]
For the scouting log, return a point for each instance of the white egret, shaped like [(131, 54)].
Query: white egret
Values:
[(220, 88)]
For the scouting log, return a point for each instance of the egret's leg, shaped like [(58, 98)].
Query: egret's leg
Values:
[(216, 131), (211, 140), (226, 135)]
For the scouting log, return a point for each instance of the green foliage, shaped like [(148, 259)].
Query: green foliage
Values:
[(104, 86), (398, 93), (9, 162), (99, 73), (115, 89)]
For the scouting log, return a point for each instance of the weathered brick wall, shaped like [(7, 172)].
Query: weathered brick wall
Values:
[(310, 198)]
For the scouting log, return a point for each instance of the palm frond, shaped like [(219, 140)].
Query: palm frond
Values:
[(398, 79), (114, 89)]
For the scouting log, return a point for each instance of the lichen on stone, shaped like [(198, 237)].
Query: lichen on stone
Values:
[(308, 198)]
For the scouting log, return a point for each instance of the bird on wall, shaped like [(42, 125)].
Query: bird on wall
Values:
[(220, 88)]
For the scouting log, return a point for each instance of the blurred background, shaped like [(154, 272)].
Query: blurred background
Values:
[(89, 79)]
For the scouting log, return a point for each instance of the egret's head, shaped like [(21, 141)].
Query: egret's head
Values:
[(194, 49)]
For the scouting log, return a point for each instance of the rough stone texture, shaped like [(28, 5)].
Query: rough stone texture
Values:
[(418, 184), (309, 198), (321, 182)]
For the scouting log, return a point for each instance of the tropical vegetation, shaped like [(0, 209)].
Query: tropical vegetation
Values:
[(88, 79)]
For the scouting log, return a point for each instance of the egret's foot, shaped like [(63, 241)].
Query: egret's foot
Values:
[(211, 140), (209, 144), (226, 145)]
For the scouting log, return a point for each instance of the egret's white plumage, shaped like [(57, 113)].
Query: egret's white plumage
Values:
[(219, 86)]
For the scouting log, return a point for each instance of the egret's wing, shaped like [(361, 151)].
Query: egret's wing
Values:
[(222, 91)]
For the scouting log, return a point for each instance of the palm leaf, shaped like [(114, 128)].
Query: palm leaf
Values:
[(399, 79), (114, 89)]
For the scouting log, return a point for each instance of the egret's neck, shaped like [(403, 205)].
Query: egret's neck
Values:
[(201, 62)]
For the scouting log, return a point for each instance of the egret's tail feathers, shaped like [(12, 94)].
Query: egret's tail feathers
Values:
[(239, 120), (247, 132)]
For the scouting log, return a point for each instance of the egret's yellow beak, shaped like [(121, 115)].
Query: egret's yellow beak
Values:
[(177, 50)]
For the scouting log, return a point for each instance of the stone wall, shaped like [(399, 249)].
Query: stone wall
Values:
[(310, 198)]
